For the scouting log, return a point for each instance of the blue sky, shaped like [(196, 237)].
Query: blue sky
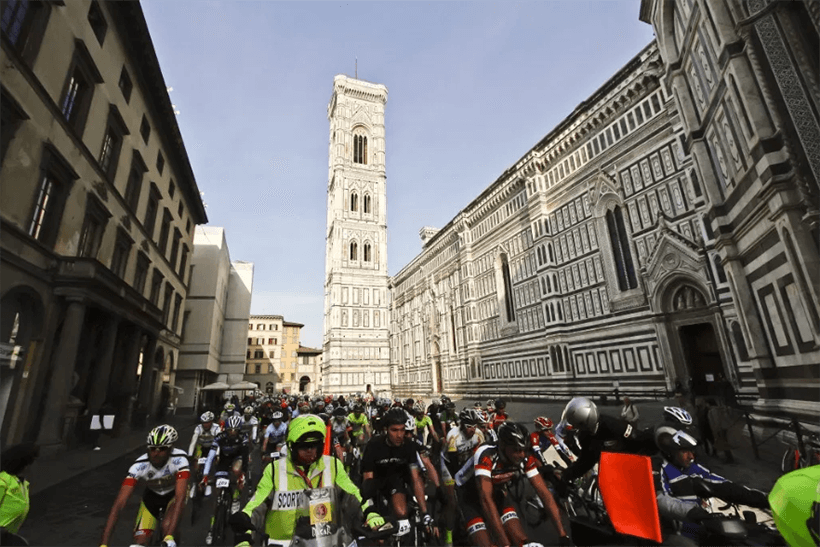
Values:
[(472, 87)]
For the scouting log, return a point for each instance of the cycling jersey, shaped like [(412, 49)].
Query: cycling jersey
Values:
[(203, 438), (460, 447), (384, 459), (339, 428), (250, 425), (498, 418), (357, 423), (160, 481), (276, 435), (229, 449), (487, 462)]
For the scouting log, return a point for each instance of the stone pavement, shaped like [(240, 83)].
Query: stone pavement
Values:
[(50, 470)]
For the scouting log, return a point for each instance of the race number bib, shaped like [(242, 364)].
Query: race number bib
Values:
[(223, 483), (320, 508)]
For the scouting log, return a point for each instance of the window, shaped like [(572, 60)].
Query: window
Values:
[(183, 262), (112, 142), (258, 368), (259, 354), (624, 267), (145, 129), (96, 217), (97, 21), (122, 250), (141, 272), (180, 210), (175, 248), (134, 185), (250, 341), (271, 341), (172, 188), (79, 88), (163, 233), (260, 341), (24, 24), (156, 285), (366, 204), (260, 326), (160, 162), (270, 367), (354, 251), (177, 305), (508, 296), (366, 252), (271, 354), (188, 226), (359, 147), (11, 117), (126, 86), (166, 303), (354, 201), (151, 210)]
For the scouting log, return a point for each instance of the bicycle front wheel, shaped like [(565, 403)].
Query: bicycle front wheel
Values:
[(791, 460)]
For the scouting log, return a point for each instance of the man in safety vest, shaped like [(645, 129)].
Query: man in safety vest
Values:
[(302, 491)]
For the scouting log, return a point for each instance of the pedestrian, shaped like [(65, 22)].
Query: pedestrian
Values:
[(630, 413), (14, 490), (679, 397), (702, 419)]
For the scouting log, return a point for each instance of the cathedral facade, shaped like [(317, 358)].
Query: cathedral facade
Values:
[(663, 236), (356, 344)]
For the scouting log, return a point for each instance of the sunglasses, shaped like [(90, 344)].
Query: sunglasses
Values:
[(159, 448), (317, 445)]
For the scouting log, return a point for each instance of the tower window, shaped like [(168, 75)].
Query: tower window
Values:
[(508, 296), (360, 149), (366, 252), (354, 201), (354, 251), (366, 204), (620, 250)]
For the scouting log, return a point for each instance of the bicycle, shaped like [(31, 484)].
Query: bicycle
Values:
[(795, 458), (196, 500), (224, 500)]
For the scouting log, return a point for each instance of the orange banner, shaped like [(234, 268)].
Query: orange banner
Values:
[(628, 491), (326, 451)]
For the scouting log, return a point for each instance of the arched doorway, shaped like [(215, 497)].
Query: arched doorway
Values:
[(304, 381), (702, 355)]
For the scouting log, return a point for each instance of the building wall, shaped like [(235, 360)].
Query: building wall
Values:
[(237, 314), (356, 345), (265, 336), (288, 377), (71, 277)]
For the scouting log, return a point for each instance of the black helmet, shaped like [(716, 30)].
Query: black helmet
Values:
[(512, 434), (468, 417), (500, 404), (339, 412), (394, 416), (670, 440)]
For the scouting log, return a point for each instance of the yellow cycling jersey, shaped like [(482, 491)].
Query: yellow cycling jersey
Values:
[(357, 423)]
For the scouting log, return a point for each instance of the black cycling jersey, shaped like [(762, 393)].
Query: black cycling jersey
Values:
[(613, 435), (385, 460), (229, 450)]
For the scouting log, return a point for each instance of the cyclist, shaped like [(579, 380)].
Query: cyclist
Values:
[(250, 425), (231, 450), (447, 417), (677, 495), (490, 436), (302, 491), (389, 464), (461, 442), (359, 424), (340, 428), (543, 437), (485, 501), (201, 442), (228, 410), (164, 470), (275, 433), (499, 415), (425, 431)]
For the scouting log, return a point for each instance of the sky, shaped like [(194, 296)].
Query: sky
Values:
[(472, 87)]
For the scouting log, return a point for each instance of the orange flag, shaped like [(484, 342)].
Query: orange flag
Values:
[(326, 451), (628, 491)]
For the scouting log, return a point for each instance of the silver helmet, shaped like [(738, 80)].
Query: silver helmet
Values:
[(581, 414)]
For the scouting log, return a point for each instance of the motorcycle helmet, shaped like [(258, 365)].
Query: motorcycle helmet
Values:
[(581, 414), (670, 441)]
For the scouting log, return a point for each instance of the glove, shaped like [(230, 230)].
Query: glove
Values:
[(375, 520), (698, 514), (204, 482), (240, 522), (168, 541), (565, 541), (428, 521), (562, 487)]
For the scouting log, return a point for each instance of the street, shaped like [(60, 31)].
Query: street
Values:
[(74, 511)]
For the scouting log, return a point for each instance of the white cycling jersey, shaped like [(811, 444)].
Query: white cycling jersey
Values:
[(203, 437), (162, 481)]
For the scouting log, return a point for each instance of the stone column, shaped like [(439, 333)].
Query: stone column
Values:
[(65, 357), (126, 383), (102, 372)]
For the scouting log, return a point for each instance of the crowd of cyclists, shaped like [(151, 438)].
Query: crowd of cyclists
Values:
[(337, 470)]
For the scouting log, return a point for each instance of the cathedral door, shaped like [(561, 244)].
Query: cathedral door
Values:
[(703, 359)]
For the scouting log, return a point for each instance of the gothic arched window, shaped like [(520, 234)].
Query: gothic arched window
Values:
[(366, 204), (354, 251), (366, 253), (624, 266), (354, 201), (359, 147), (508, 296)]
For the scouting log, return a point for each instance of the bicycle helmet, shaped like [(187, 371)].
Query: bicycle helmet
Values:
[(248, 409), (670, 441), (581, 414), (676, 415), (277, 415), (468, 417), (483, 417), (234, 422), (512, 434), (477, 405), (339, 412), (542, 423), (394, 416), (410, 424), (500, 404), (307, 428), (358, 408), (162, 435), (207, 416)]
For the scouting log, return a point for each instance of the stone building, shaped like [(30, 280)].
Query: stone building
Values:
[(291, 342), (98, 208), (356, 344), (309, 369), (665, 232), (263, 361), (216, 314)]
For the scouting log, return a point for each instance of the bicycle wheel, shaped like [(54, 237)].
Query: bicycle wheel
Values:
[(219, 519), (790, 461)]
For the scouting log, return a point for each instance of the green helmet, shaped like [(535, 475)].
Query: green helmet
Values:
[(306, 428)]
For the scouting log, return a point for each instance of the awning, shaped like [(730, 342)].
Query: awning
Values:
[(245, 385), (216, 386)]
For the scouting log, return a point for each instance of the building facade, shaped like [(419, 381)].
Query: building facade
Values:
[(309, 369), (263, 361), (99, 204), (216, 312), (356, 329), (291, 342), (664, 234)]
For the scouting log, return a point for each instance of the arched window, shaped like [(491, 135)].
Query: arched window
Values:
[(366, 204), (552, 254), (359, 147), (354, 201), (354, 251), (366, 253), (624, 266), (508, 296)]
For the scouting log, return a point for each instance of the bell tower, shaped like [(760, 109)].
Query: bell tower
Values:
[(356, 322)]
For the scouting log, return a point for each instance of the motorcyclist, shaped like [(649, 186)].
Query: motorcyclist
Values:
[(302, 491)]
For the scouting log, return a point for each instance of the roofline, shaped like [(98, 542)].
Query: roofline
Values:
[(292, 324), (266, 317)]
